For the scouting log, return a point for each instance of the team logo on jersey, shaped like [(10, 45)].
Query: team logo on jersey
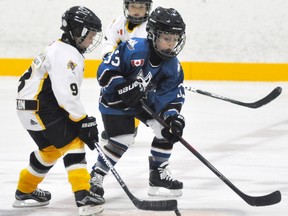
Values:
[(131, 44), (145, 80), (71, 65), (137, 62)]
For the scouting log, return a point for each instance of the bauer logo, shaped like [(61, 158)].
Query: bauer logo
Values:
[(128, 88), (137, 62)]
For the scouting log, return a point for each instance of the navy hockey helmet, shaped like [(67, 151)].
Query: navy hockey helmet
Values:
[(167, 21), (78, 21), (134, 19)]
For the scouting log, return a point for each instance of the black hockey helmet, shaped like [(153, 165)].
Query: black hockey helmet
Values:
[(168, 21), (137, 20), (78, 21)]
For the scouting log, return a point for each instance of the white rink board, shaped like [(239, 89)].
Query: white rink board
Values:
[(217, 30)]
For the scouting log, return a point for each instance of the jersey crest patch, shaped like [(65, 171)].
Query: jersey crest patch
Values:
[(71, 65), (137, 62), (37, 62), (145, 80), (131, 44)]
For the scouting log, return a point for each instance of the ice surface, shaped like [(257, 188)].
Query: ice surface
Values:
[(248, 146)]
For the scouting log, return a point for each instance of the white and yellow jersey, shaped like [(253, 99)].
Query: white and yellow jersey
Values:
[(50, 88), (118, 32)]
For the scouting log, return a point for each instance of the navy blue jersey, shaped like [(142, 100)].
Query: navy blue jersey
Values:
[(131, 58)]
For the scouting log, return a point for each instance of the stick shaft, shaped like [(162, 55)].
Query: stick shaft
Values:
[(263, 101), (157, 205), (265, 200)]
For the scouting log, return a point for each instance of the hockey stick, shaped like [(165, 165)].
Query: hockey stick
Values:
[(270, 199), (153, 205), (267, 99)]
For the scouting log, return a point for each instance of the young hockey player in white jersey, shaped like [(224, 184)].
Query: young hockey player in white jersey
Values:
[(131, 24), (144, 68), (50, 109)]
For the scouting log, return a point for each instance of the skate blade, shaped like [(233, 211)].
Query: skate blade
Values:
[(90, 210), (164, 192), (28, 203)]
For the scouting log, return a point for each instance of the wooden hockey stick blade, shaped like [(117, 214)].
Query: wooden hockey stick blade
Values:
[(265, 200), (153, 205), (267, 99)]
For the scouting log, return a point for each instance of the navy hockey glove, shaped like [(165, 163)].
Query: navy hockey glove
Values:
[(88, 131), (131, 92), (176, 125)]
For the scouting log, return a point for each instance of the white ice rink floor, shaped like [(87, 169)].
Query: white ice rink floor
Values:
[(248, 146)]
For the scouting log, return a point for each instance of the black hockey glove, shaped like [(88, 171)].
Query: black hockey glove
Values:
[(131, 92), (176, 125), (88, 131)]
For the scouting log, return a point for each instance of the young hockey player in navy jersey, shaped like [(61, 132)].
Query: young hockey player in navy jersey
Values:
[(131, 24), (144, 68), (50, 109)]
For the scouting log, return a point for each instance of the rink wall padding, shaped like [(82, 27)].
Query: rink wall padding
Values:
[(192, 70)]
